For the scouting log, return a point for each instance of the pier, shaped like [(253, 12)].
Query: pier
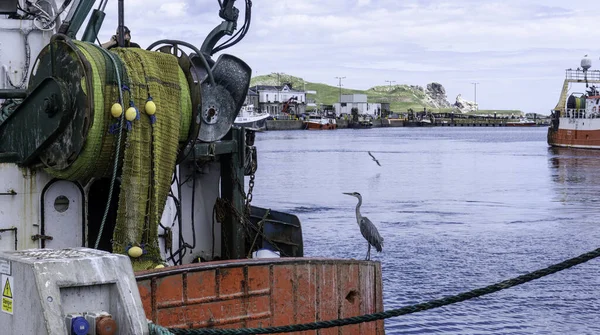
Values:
[(438, 122)]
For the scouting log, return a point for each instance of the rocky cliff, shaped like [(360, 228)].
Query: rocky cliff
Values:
[(465, 106), (434, 96)]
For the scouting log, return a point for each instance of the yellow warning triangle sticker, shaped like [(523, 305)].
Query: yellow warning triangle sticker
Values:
[(7, 292)]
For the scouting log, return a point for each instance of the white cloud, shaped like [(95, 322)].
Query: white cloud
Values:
[(507, 45), (174, 9)]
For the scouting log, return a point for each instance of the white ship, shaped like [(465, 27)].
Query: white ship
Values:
[(250, 118)]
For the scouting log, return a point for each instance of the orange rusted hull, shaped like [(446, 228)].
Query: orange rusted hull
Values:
[(263, 293), (589, 139), (320, 126)]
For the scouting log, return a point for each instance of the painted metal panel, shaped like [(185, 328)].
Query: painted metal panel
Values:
[(63, 219), (262, 293), (20, 190)]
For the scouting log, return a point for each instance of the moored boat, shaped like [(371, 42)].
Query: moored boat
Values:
[(521, 122), (366, 124), (248, 117), (319, 122), (575, 121)]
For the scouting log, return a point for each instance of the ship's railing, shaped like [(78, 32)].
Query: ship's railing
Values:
[(580, 114), (579, 74)]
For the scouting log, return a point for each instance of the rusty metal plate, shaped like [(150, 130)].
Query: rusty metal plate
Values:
[(263, 293)]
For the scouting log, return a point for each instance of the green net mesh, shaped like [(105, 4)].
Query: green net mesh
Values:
[(150, 144)]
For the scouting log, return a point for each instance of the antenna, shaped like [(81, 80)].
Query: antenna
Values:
[(586, 64)]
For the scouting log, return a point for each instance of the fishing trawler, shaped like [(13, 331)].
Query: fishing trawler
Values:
[(575, 121), (319, 122), (122, 189)]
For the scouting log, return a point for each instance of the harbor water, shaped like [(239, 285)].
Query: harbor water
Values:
[(459, 208)]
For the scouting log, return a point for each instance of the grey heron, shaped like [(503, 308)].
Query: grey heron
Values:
[(375, 159), (367, 228)]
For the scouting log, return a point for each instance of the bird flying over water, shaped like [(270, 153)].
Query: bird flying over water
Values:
[(367, 228), (375, 159)]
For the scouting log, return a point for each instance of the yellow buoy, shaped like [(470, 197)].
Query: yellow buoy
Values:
[(150, 107), (116, 110), (130, 114), (134, 252), (159, 266)]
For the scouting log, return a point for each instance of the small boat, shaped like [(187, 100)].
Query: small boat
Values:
[(250, 118), (575, 121), (318, 122), (521, 122), (360, 125)]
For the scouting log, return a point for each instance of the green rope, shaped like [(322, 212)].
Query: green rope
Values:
[(158, 330), (82, 168), (118, 149)]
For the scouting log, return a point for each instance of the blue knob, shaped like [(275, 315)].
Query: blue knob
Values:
[(79, 326)]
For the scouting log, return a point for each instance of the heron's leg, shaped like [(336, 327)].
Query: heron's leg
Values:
[(368, 252)]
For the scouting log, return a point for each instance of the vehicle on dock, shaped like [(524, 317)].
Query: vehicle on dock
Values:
[(122, 189), (575, 121)]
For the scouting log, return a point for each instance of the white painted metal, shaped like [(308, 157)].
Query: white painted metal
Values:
[(579, 124), (63, 215), (206, 193), (169, 222), (21, 210), (50, 284), (17, 38)]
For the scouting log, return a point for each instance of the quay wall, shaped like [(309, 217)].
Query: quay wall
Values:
[(284, 125), (342, 123)]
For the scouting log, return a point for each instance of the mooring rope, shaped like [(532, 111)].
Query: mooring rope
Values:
[(158, 330)]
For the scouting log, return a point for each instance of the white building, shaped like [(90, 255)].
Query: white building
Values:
[(272, 99), (358, 101)]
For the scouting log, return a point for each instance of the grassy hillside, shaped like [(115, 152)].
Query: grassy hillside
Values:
[(400, 97)]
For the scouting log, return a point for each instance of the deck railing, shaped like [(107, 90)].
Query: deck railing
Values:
[(580, 75)]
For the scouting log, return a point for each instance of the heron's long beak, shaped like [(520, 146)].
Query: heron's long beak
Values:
[(348, 193)]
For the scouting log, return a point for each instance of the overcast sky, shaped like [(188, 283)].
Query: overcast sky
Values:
[(517, 50)]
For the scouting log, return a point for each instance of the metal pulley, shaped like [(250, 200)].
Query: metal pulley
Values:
[(223, 87), (223, 98)]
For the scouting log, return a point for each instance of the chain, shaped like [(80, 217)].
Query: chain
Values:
[(249, 195), (250, 166)]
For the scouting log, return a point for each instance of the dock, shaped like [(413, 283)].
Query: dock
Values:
[(440, 122)]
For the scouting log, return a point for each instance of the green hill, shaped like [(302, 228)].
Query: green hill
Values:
[(400, 97)]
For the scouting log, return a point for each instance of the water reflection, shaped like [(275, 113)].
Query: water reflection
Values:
[(575, 165), (576, 175)]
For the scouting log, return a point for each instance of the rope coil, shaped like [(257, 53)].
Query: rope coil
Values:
[(142, 151)]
